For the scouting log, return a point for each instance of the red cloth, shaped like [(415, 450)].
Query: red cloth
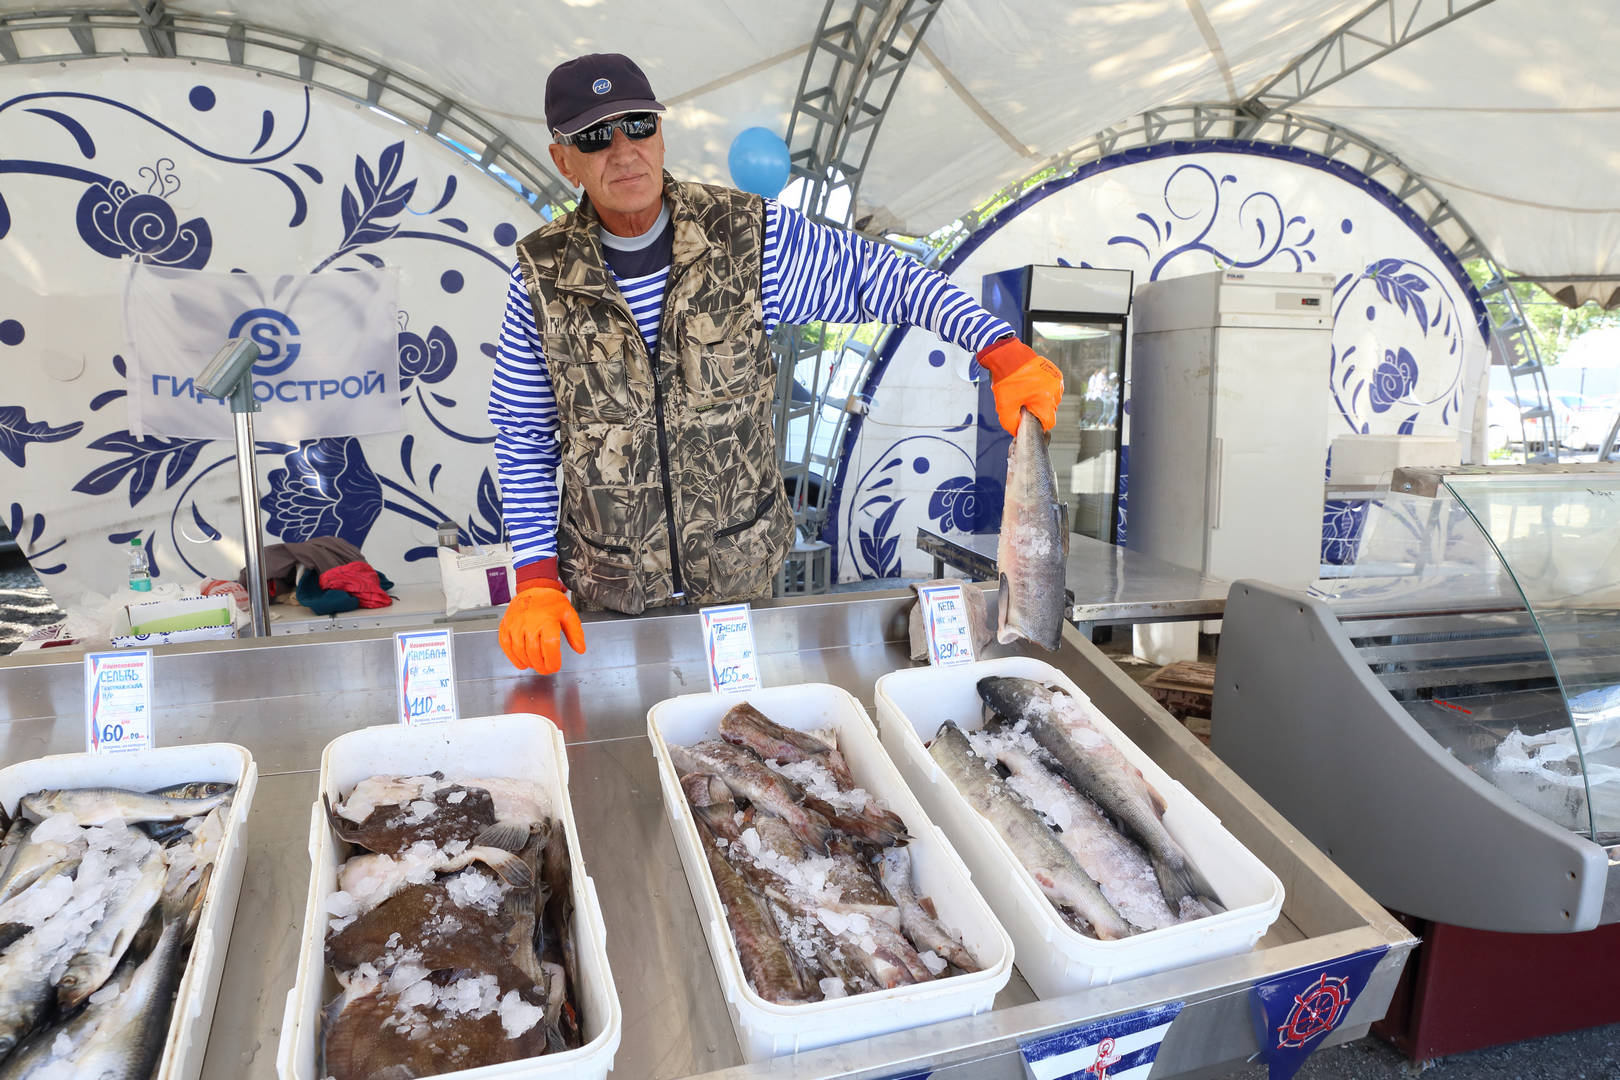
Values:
[(359, 580), (539, 572)]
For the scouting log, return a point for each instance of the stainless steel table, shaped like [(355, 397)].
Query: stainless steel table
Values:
[(286, 697), (1108, 584)]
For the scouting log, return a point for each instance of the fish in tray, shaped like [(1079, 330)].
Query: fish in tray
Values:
[(1088, 760), (96, 925), (451, 933), (1070, 889), (811, 869), (1034, 546)]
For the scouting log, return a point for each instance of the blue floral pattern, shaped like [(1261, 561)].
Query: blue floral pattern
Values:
[(1392, 380), (431, 360), (1342, 521), (116, 221), (326, 489), (17, 432), (1193, 198), (955, 503)]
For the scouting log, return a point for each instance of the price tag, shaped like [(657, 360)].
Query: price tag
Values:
[(118, 701), (728, 642), (945, 619), (426, 666)]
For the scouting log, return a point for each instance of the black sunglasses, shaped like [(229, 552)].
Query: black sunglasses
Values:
[(641, 125)]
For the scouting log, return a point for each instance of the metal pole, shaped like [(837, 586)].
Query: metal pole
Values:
[(242, 408)]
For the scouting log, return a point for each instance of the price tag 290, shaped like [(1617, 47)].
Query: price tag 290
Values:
[(945, 618), (426, 668), (118, 701), (728, 645)]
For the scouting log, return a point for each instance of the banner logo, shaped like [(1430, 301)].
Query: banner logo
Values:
[(1316, 1012), (265, 326)]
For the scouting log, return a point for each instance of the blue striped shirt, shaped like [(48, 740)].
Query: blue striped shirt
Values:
[(811, 273)]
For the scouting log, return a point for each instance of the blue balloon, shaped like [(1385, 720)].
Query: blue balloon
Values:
[(759, 161)]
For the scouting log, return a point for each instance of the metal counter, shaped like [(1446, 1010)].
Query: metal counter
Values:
[(285, 698), (1108, 584)]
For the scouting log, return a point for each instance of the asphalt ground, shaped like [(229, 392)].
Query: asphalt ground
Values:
[(24, 602)]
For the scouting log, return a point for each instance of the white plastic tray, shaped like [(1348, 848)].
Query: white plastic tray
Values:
[(193, 1014), (1055, 959), (520, 746), (764, 1028)]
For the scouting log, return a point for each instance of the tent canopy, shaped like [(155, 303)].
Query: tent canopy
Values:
[(1505, 111)]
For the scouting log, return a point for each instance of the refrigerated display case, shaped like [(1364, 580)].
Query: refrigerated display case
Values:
[(1077, 317), (1444, 723)]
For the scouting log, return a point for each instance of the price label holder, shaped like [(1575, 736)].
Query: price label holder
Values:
[(728, 645), (118, 701), (425, 664), (945, 621), (1117, 1046)]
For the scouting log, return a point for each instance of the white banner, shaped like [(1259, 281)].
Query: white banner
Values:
[(329, 353)]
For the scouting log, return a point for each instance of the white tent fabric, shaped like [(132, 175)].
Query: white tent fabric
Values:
[(1507, 111)]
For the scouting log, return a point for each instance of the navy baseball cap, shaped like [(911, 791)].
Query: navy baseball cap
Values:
[(589, 89)]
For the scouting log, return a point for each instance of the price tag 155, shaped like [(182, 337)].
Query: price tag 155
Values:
[(426, 669), (950, 637), (118, 701), (728, 644)]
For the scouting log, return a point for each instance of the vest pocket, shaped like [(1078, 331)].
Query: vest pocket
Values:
[(589, 378), (745, 555), (727, 366), (602, 572)]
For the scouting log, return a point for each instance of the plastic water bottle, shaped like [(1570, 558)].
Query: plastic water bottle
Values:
[(140, 576)]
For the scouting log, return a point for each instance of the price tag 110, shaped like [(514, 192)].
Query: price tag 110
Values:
[(426, 668), (728, 644), (118, 701), (950, 638)]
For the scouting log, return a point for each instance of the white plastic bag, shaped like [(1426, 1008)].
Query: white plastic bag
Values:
[(476, 577)]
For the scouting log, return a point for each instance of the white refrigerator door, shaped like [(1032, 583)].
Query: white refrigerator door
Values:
[(1268, 455)]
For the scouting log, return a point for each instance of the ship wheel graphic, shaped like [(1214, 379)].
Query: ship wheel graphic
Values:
[(1316, 1011)]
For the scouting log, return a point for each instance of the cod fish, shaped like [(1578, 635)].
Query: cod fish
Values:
[(747, 726), (765, 961), (917, 916), (1034, 543), (1095, 766), (91, 807), (1034, 844), (750, 778)]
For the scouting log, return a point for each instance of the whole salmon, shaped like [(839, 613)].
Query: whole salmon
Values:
[(1034, 543)]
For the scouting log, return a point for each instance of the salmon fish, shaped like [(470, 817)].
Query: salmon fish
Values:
[(1034, 544)]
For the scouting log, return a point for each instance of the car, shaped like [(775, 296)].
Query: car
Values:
[(1503, 427), (1584, 420)]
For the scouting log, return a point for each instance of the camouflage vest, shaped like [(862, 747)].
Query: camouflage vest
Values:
[(670, 482)]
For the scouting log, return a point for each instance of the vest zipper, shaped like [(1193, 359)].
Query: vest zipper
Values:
[(760, 511), (677, 587)]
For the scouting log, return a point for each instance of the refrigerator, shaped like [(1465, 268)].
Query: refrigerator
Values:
[(1078, 318), (1230, 411)]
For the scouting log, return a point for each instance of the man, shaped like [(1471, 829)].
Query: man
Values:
[(634, 370)]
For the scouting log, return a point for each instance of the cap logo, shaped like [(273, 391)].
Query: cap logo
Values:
[(601, 86)]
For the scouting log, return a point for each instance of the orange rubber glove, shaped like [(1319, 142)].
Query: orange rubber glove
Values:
[(1021, 380), (534, 624)]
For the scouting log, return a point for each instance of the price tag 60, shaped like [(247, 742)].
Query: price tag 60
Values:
[(118, 701), (945, 618), (728, 644), (426, 669)]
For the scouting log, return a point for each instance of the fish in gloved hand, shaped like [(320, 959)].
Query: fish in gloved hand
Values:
[(1034, 544)]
